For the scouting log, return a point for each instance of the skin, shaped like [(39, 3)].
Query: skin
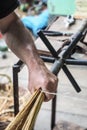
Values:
[(20, 41)]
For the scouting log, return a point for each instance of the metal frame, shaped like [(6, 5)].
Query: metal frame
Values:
[(58, 64), (16, 69)]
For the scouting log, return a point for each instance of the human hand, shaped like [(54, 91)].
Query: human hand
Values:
[(41, 77)]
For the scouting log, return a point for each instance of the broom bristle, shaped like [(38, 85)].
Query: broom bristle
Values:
[(31, 109)]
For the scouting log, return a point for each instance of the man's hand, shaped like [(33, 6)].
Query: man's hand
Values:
[(41, 77)]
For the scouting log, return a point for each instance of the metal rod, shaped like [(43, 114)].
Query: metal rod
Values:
[(71, 78), (56, 33), (16, 69), (47, 59), (52, 33), (67, 61), (55, 69), (15, 89), (48, 45), (53, 115), (76, 62)]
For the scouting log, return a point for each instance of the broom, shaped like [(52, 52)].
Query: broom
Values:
[(25, 119)]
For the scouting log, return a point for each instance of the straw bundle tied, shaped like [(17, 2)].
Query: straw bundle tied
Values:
[(25, 119)]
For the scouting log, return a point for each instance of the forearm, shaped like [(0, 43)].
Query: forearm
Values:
[(20, 42)]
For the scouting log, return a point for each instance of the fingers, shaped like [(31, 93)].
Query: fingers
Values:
[(50, 89), (48, 94), (47, 82)]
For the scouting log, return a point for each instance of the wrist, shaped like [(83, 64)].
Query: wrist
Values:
[(35, 63)]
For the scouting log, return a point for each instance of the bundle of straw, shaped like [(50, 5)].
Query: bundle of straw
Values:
[(25, 119)]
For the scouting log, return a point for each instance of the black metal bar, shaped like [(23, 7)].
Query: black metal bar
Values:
[(56, 33), (76, 62), (16, 69), (71, 78), (55, 69), (16, 89), (67, 61), (47, 59), (52, 33), (48, 45), (20, 64), (53, 115)]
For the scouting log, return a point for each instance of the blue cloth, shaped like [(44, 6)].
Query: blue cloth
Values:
[(44, 1), (35, 23)]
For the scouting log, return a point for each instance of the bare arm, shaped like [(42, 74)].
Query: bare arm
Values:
[(21, 43), (20, 39)]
